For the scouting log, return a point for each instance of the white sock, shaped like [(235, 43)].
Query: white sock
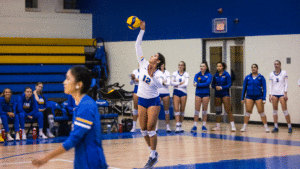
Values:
[(23, 131), (40, 131), (150, 148), (245, 125), (178, 124), (204, 123), (195, 124), (152, 153), (168, 125), (218, 124), (48, 131), (266, 125), (290, 125), (134, 124), (232, 124), (276, 125)]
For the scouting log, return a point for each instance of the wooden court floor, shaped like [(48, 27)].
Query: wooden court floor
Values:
[(223, 149)]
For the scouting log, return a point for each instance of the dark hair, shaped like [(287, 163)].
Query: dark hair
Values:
[(27, 87), (162, 60), (255, 65), (184, 69), (82, 74), (223, 64), (278, 61), (38, 83), (2, 94), (207, 70), (161, 65)]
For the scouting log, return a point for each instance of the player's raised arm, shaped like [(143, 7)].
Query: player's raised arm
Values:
[(138, 44)]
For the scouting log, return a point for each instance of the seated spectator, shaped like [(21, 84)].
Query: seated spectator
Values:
[(27, 107), (8, 108), (45, 109)]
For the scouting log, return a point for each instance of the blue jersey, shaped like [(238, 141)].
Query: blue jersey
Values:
[(85, 136), (254, 87), (224, 81), (42, 102), (5, 107), (28, 107), (71, 104), (203, 83)]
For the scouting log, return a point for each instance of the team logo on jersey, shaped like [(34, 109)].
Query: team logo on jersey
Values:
[(206, 76), (26, 105), (199, 78), (223, 76)]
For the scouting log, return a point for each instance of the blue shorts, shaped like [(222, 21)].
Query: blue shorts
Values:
[(278, 96), (202, 95), (178, 93), (254, 98), (149, 102), (163, 95), (221, 95), (135, 89)]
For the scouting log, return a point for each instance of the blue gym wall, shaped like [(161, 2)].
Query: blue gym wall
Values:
[(178, 19)]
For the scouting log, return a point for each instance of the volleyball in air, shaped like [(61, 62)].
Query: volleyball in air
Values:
[(133, 22)]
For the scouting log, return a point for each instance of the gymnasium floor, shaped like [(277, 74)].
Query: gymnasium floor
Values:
[(210, 150)]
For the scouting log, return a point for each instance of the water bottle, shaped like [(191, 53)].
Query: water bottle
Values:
[(21, 133), (3, 134), (108, 129), (34, 134), (120, 128)]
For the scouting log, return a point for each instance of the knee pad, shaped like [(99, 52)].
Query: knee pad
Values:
[(285, 113), (181, 113), (177, 113), (204, 112), (144, 132), (167, 112), (247, 114), (135, 112), (262, 114), (151, 133), (275, 112), (196, 113)]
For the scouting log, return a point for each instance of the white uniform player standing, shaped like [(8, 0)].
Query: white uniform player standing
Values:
[(164, 95), (135, 80), (278, 93), (180, 81)]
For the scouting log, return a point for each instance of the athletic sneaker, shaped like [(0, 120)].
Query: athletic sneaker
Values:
[(194, 129), (133, 130), (177, 129), (17, 136), (152, 161), (50, 135), (24, 136), (181, 130), (233, 129), (243, 129), (204, 128), (8, 137), (168, 130), (267, 130), (275, 130), (290, 130), (216, 128), (43, 136)]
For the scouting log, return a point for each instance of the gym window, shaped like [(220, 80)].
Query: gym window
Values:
[(69, 4)]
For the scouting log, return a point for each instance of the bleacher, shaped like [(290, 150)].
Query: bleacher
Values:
[(25, 61)]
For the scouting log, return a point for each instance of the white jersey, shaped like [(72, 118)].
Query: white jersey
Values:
[(177, 78), (136, 73), (278, 83), (166, 84), (148, 86)]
